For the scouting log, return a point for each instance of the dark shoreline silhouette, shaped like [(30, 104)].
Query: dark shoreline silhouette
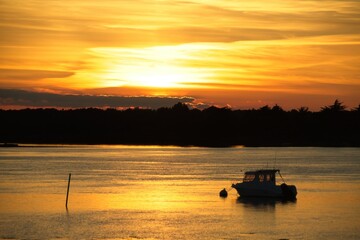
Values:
[(333, 126)]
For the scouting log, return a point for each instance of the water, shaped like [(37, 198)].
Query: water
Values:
[(122, 192)]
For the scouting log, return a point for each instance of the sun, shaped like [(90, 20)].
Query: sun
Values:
[(151, 67), (143, 74), (163, 76)]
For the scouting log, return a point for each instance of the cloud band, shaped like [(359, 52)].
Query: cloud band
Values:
[(12, 97)]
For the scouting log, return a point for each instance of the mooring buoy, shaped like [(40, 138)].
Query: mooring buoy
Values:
[(223, 193)]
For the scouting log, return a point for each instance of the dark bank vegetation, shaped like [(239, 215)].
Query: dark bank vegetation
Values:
[(179, 125)]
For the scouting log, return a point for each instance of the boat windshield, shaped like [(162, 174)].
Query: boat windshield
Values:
[(249, 177)]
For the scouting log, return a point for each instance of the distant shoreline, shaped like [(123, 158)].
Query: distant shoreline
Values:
[(43, 145), (181, 126)]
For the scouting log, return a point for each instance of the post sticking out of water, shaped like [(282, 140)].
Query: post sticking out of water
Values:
[(67, 193)]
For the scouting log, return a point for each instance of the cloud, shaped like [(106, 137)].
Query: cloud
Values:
[(128, 24), (21, 98), (26, 74)]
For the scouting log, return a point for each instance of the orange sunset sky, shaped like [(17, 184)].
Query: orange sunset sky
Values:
[(241, 54)]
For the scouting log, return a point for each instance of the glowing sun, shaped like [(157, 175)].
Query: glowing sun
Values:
[(153, 67), (156, 76)]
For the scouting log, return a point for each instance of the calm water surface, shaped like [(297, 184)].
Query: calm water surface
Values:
[(120, 192)]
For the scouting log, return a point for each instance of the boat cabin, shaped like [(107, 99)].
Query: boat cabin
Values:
[(260, 176)]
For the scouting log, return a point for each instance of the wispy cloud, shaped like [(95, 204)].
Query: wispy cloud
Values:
[(21, 98), (31, 74)]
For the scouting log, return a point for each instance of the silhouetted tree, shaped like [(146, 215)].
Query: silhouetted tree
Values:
[(336, 107), (303, 110), (179, 125), (356, 109), (180, 107), (265, 108), (277, 108)]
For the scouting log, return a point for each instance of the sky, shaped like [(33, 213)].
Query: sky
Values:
[(151, 53)]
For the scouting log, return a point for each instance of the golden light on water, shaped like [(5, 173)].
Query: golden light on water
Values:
[(121, 192), (152, 197)]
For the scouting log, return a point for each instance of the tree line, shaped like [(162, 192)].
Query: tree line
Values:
[(332, 126)]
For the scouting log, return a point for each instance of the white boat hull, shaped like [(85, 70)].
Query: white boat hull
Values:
[(265, 190)]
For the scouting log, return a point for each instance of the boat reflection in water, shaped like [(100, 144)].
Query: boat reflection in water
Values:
[(263, 202), (262, 183)]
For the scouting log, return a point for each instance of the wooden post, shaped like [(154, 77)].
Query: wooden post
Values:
[(67, 193)]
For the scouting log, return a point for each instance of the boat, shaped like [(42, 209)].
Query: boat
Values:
[(262, 183), (9, 145)]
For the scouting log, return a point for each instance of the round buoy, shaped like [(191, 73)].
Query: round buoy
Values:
[(223, 193)]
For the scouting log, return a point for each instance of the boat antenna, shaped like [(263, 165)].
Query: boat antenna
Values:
[(275, 161)]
